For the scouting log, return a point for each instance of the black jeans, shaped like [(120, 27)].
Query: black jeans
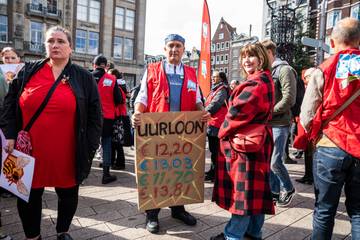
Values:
[(153, 214), (117, 155), (214, 147), (30, 213)]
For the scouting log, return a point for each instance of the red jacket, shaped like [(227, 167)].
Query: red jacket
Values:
[(344, 129), (159, 92), (106, 90), (218, 118), (120, 110)]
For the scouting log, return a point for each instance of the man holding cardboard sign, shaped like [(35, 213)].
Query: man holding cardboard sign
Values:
[(168, 86)]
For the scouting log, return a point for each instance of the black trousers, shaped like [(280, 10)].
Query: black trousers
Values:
[(153, 214), (214, 147), (308, 157), (30, 213), (117, 154)]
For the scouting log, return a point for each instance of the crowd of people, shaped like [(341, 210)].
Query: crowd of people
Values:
[(55, 101)]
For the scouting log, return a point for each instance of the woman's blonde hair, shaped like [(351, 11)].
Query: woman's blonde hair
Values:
[(257, 50)]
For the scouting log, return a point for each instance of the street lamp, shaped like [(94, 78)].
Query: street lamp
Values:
[(283, 29)]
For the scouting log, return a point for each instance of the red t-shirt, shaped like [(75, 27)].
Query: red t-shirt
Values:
[(53, 133)]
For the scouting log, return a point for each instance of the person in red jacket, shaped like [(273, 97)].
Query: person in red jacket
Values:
[(110, 97), (168, 86), (216, 106), (337, 155)]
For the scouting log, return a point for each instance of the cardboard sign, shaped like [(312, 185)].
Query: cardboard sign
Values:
[(17, 171), (170, 159)]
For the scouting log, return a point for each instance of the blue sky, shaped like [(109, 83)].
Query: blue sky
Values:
[(184, 17)]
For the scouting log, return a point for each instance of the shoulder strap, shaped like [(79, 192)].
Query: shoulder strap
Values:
[(340, 109), (46, 100)]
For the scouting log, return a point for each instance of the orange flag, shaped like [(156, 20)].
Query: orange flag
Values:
[(205, 54)]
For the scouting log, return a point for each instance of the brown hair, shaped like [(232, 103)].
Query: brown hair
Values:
[(116, 73), (269, 45), (9, 49), (257, 50), (60, 29)]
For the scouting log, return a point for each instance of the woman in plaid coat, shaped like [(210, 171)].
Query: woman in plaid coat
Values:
[(242, 181)]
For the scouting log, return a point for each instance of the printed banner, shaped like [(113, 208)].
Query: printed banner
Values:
[(170, 159), (10, 70), (204, 70), (17, 171)]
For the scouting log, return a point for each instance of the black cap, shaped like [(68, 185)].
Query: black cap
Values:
[(100, 60)]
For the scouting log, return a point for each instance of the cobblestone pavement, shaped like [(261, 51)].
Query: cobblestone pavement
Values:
[(110, 212)]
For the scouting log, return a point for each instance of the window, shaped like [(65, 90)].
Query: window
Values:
[(129, 49), (87, 42), (267, 29), (212, 60), (52, 6), (235, 52), (88, 10), (119, 17), (355, 11), (80, 45), (130, 20), (3, 28), (221, 69), (225, 70), (226, 59), (94, 11), (3, 2), (213, 47), (227, 45), (93, 43), (118, 46), (36, 36), (221, 35), (332, 18), (217, 59), (222, 59), (218, 46), (222, 46), (235, 63), (82, 10)]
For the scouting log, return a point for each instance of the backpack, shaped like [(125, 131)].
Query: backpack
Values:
[(300, 89)]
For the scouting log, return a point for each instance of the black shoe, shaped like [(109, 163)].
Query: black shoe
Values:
[(286, 199), (7, 237), (152, 225), (298, 154), (288, 160), (305, 180), (275, 197), (185, 217), (64, 236), (221, 236), (115, 167), (251, 237), (108, 179), (209, 178)]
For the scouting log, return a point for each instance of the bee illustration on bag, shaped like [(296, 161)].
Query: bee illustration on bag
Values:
[(13, 170)]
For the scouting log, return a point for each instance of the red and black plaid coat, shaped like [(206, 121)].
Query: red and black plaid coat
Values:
[(242, 179)]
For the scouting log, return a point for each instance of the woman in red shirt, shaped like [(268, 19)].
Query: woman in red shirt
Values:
[(65, 135)]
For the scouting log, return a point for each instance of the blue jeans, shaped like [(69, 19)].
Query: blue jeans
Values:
[(279, 175), (239, 225), (106, 147), (333, 168)]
